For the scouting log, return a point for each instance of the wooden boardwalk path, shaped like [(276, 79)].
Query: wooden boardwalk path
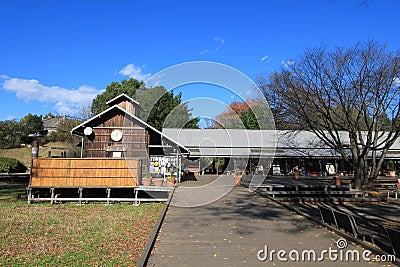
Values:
[(231, 231)]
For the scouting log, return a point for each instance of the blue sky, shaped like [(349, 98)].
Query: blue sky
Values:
[(55, 56)]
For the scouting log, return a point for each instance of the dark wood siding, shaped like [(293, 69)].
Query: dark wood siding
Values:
[(134, 143)]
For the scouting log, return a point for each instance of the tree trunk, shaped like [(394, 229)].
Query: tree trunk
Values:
[(358, 177), (360, 173)]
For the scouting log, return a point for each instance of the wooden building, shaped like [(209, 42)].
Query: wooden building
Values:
[(119, 133), (115, 132), (116, 148)]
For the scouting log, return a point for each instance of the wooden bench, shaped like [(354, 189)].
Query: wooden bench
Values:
[(347, 223), (385, 182), (327, 215), (394, 238)]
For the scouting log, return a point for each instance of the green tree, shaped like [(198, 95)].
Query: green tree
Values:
[(32, 123), (159, 108), (49, 115), (249, 119), (12, 134), (128, 87)]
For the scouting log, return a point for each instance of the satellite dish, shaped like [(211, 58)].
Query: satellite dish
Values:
[(88, 131)]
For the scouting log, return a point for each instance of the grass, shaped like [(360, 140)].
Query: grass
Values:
[(11, 192), (70, 235), (56, 148), (24, 154)]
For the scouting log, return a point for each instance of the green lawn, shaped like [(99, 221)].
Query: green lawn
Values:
[(71, 235), (12, 192)]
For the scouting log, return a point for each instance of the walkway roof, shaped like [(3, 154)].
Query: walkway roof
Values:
[(255, 143)]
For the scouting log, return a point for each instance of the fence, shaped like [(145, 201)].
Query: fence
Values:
[(86, 172)]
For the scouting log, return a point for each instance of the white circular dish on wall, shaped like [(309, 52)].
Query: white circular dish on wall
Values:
[(116, 135)]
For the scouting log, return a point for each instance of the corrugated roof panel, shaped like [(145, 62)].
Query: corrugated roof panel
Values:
[(253, 142)]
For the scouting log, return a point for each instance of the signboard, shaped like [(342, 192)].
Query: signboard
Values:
[(116, 149), (276, 170), (330, 169)]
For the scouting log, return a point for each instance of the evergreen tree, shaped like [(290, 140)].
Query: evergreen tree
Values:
[(159, 108), (128, 87)]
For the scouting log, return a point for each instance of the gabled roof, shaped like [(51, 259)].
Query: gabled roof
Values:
[(92, 122), (120, 98)]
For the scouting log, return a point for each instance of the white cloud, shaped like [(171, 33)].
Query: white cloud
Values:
[(220, 42), (4, 77), (264, 58), (134, 72), (287, 63), (66, 101)]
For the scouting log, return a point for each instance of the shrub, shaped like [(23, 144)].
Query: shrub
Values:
[(11, 165), (390, 165)]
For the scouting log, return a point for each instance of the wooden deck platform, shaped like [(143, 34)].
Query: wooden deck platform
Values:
[(232, 230)]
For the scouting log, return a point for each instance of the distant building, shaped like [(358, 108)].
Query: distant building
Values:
[(51, 124)]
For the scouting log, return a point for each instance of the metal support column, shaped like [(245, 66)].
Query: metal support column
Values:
[(179, 167), (52, 196), (108, 190), (82, 146), (29, 195), (136, 202), (80, 191)]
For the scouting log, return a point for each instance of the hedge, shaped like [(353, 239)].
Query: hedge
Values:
[(11, 165)]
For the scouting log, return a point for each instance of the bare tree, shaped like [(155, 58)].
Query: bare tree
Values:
[(85, 112), (348, 97)]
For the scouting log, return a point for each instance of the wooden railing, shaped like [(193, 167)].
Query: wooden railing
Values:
[(86, 172)]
